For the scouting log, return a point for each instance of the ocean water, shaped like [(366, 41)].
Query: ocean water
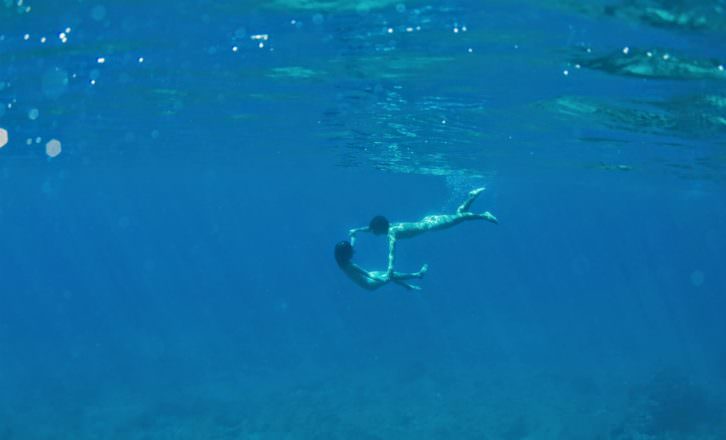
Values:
[(174, 176)]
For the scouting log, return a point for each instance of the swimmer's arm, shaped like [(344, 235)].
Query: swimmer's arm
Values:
[(391, 253), (362, 272), (354, 231), (371, 275)]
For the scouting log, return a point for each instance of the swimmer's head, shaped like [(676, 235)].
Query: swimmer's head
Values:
[(379, 225), (343, 253)]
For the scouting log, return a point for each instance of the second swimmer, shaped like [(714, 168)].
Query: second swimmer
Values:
[(379, 225)]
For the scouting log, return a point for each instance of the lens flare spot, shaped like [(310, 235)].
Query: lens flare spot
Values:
[(53, 148), (3, 137)]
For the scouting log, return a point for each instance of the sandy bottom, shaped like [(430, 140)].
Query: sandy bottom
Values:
[(406, 402)]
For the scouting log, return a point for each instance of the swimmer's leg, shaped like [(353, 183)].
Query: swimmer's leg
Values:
[(407, 285), (488, 216), (398, 276), (467, 203)]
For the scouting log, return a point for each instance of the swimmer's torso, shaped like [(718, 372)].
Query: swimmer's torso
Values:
[(428, 223), (367, 280)]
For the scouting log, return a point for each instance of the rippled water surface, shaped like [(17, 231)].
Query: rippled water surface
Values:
[(173, 176)]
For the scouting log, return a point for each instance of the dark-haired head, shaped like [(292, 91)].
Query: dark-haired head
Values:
[(379, 225), (343, 253)]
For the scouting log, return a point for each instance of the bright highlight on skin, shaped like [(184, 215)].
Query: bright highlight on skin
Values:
[(3, 137)]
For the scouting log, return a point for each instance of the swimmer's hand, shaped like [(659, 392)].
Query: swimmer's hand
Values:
[(352, 232), (490, 217)]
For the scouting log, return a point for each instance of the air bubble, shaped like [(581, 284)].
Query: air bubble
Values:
[(53, 148)]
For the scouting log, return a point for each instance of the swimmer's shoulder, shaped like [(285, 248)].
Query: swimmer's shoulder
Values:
[(396, 228)]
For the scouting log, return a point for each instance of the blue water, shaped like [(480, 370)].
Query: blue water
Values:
[(176, 175)]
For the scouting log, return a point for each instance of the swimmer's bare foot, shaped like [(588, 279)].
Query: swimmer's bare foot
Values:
[(488, 216), (476, 192), (423, 270), (467, 203)]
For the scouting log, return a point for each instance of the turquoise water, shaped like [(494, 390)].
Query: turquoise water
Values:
[(174, 176)]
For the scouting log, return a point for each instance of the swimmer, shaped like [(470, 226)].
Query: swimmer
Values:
[(375, 279), (379, 225)]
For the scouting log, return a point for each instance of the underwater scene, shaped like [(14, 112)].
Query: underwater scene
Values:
[(363, 219)]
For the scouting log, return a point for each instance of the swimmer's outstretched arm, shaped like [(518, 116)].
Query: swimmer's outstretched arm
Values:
[(391, 253), (352, 232)]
